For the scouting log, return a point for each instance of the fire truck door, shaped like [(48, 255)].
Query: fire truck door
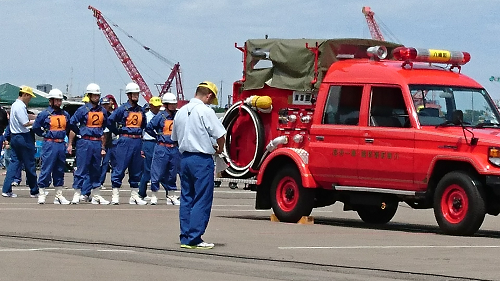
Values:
[(334, 142), (386, 152)]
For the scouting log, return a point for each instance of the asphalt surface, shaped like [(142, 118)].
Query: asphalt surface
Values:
[(129, 242)]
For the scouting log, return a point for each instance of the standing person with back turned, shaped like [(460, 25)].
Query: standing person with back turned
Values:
[(166, 157), (51, 125), (128, 121), (199, 134), (148, 146), (88, 121), (21, 143)]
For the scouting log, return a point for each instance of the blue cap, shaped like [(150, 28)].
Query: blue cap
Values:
[(105, 100)]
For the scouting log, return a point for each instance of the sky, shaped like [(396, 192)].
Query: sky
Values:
[(58, 42)]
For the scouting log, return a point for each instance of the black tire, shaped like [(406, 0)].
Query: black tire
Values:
[(377, 214), (459, 206), (289, 199)]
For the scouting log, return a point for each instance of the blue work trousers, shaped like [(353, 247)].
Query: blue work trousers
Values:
[(10, 157), (197, 193), (148, 147), (23, 146), (105, 164), (164, 168), (127, 156), (53, 158), (88, 164)]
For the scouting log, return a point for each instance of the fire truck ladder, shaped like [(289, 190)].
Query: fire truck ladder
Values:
[(121, 53)]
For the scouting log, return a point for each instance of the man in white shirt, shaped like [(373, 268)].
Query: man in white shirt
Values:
[(22, 144), (199, 134)]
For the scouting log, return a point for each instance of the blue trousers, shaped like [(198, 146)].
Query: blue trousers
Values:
[(127, 156), (164, 168), (23, 147), (10, 156), (197, 193), (105, 164), (148, 150), (88, 164), (53, 158)]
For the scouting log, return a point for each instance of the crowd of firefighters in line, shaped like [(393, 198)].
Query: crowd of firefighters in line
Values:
[(127, 137), (187, 147)]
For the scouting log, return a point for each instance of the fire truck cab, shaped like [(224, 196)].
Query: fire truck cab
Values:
[(367, 123)]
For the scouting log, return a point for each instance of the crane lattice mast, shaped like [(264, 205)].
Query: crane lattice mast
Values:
[(122, 54), (372, 24)]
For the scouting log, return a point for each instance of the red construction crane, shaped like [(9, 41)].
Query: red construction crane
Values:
[(372, 24), (129, 65), (122, 53)]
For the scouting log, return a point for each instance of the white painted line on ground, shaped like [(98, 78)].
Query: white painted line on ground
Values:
[(62, 249), (390, 247)]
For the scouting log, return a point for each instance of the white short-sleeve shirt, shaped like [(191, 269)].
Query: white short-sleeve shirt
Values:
[(18, 117), (196, 128)]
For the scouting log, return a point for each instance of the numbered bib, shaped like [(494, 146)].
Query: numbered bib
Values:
[(134, 120), (57, 123), (95, 119), (167, 127)]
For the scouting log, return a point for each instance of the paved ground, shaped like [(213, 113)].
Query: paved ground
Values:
[(128, 242)]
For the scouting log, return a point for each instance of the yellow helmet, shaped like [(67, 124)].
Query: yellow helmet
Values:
[(155, 101), (212, 87), (86, 98), (27, 90)]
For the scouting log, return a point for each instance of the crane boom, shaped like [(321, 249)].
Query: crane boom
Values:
[(372, 24), (122, 53)]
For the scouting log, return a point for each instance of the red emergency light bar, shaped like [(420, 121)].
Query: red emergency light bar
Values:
[(409, 55)]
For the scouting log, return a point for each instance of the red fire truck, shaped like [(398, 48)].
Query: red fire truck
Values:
[(367, 123)]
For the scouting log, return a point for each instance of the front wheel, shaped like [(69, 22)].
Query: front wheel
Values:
[(459, 206), (290, 200)]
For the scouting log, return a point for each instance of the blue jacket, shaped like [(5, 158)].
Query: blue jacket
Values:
[(52, 124)]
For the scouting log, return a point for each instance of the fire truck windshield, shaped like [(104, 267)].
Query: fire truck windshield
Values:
[(435, 105)]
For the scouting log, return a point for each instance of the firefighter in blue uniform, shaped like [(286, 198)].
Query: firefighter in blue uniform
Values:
[(166, 156), (88, 122), (51, 124), (128, 121), (148, 146)]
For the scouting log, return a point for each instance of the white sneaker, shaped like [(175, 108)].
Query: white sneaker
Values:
[(36, 195), (76, 197), (99, 200), (154, 200), (41, 198), (147, 198), (61, 200), (9, 194), (202, 245), (136, 200), (14, 183), (173, 200)]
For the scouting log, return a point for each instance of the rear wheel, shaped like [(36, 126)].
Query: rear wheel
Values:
[(290, 200), (459, 206), (377, 214)]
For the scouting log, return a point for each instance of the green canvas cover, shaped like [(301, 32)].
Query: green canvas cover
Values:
[(9, 93), (293, 63)]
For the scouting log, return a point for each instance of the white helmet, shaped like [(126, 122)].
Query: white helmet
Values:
[(55, 94), (132, 88), (168, 98), (93, 88)]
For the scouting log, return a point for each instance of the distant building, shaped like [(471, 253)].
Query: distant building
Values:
[(44, 87)]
